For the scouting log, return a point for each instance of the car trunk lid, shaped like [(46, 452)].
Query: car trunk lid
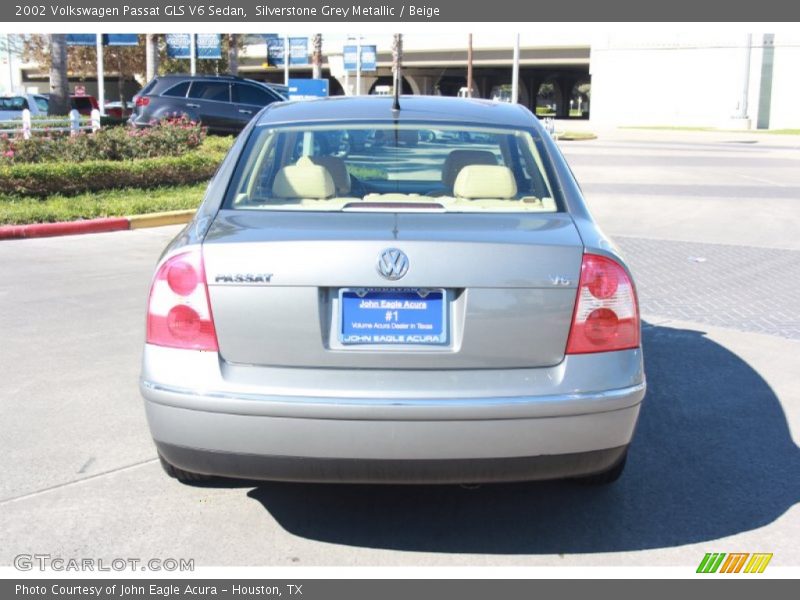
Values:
[(276, 281)]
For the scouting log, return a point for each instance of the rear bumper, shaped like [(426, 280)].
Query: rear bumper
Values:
[(422, 426), (349, 470)]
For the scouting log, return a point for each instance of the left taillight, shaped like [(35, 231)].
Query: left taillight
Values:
[(179, 310), (606, 316)]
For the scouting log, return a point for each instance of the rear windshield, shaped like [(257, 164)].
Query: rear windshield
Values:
[(14, 103), (81, 103), (384, 166)]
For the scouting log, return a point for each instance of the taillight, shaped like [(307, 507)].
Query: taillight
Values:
[(179, 311), (606, 313), (142, 101)]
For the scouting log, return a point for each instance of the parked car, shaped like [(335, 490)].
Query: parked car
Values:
[(83, 104), (223, 103), (11, 107), (115, 109), (448, 313)]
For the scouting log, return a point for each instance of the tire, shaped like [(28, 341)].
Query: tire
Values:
[(180, 474), (605, 477)]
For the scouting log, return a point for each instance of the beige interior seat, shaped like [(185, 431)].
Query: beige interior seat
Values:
[(479, 182), (338, 170), (458, 159), (303, 179)]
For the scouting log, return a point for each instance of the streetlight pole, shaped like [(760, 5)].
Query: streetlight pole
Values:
[(746, 77), (101, 82), (286, 53), (193, 53), (358, 66), (515, 73)]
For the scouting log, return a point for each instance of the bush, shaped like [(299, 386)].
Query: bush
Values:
[(172, 137), (69, 178)]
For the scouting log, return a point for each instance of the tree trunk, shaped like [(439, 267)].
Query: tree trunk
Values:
[(233, 53), (151, 49), (316, 57), (397, 61), (59, 84)]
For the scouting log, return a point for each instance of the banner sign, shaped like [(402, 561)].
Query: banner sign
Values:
[(209, 46), (305, 89), (369, 60), (109, 39), (179, 45), (81, 39), (298, 50), (121, 39), (274, 50)]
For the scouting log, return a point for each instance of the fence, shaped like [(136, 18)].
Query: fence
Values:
[(75, 123)]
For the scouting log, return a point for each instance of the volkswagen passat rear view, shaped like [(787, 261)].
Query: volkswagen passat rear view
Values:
[(412, 295)]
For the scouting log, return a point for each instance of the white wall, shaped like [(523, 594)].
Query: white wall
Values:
[(675, 80), (785, 107)]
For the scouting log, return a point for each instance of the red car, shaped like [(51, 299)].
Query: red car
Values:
[(84, 104)]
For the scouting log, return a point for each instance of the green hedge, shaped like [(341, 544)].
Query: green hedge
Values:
[(44, 179)]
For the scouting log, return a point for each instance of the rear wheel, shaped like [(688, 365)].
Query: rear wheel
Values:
[(605, 477), (180, 474)]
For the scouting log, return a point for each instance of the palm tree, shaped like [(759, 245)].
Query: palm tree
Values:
[(316, 56), (397, 60), (151, 44), (59, 84)]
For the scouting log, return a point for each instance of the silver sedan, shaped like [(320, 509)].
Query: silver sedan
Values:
[(435, 308)]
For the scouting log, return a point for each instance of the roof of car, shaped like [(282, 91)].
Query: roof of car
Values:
[(412, 108)]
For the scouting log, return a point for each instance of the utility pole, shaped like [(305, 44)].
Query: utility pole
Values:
[(469, 66), (515, 72)]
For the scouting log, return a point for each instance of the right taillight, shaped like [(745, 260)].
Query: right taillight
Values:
[(606, 313), (142, 101), (179, 311)]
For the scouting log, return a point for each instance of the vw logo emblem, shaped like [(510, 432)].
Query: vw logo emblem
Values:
[(392, 263)]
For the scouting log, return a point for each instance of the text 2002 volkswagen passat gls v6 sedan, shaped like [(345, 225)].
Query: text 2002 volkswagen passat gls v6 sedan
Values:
[(429, 308)]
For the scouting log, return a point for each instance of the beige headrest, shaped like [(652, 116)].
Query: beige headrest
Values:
[(458, 159), (485, 181), (303, 179), (338, 170)]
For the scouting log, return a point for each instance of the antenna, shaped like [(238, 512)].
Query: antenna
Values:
[(396, 103)]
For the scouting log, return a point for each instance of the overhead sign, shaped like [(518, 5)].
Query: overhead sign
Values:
[(305, 89), (369, 61), (298, 51)]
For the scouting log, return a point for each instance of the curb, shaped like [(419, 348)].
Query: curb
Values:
[(37, 230)]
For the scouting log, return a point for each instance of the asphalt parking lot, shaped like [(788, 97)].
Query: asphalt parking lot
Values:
[(710, 226)]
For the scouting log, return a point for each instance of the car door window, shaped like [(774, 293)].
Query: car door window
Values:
[(41, 103), (176, 91), (210, 90), (250, 94)]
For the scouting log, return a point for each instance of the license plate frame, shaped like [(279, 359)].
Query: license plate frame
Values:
[(400, 328)]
